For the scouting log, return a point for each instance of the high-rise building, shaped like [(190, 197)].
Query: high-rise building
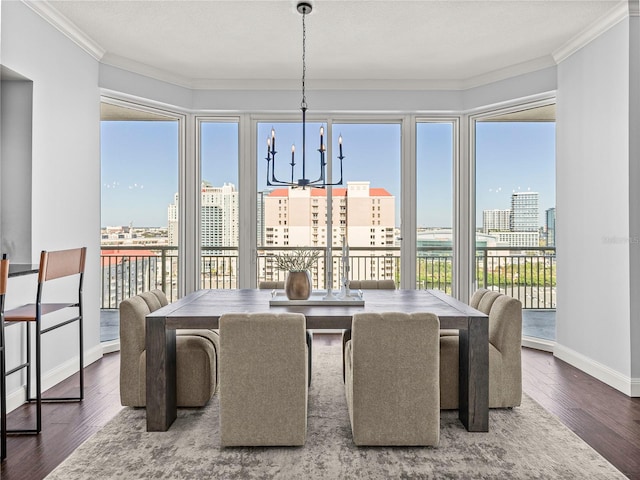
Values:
[(550, 215), (524, 212), (260, 216), (298, 217), (365, 216), (218, 216), (496, 221)]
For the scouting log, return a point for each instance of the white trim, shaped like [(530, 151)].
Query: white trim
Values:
[(538, 344), (604, 23), (110, 346), (625, 384), (53, 377), (66, 27)]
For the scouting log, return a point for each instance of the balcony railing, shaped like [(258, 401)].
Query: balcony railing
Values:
[(527, 274)]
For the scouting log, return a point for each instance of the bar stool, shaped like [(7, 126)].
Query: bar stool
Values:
[(4, 276), (53, 265)]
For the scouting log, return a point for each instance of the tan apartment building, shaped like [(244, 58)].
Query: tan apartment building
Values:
[(365, 216)]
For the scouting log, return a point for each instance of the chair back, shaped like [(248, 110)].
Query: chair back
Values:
[(394, 379), (477, 296), (4, 276), (263, 379), (61, 263), (270, 285), (372, 285), (487, 301)]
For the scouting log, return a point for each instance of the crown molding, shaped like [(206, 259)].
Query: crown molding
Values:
[(634, 8), (622, 9), (66, 27), (511, 71)]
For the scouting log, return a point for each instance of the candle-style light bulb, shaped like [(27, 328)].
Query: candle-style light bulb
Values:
[(293, 152), (321, 137), (273, 138), (268, 146), (340, 143)]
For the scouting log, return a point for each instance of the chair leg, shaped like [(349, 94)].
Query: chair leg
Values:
[(81, 343), (346, 336), (3, 400), (310, 345), (38, 378)]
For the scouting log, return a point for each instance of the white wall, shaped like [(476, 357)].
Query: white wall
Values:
[(65, 166), (593, 236)]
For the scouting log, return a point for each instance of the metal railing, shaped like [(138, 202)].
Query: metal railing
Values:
[(527, 274)]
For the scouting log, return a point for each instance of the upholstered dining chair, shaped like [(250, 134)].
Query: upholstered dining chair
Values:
[(392, 379), (271, 285), (505, 365), (476, 297), (54, 265), (473, 303), (263, 379), (196, 355), (364, 285), (4, 277), (279, 285)]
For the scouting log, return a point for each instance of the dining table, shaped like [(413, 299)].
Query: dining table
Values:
[(203, 309)]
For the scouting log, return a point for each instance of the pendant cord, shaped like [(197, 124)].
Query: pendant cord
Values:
[(304, 63)]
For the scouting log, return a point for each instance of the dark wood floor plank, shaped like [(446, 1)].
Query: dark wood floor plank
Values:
[(606, 419)]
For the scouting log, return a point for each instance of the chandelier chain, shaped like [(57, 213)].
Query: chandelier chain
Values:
[(304, 60)]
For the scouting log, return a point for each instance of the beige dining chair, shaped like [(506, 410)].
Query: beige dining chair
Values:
[(505, 364), (473, 303), (196, 355), (263, 379), (392, 378), (364, 285)]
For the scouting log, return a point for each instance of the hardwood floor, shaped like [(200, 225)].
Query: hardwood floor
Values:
[(605, 418)]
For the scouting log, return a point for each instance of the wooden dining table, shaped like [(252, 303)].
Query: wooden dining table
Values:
[(203, 308)]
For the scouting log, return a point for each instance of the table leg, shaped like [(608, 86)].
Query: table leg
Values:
[(474, 375), (161, 375)]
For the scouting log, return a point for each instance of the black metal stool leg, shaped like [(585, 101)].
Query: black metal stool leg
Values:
[(38, 379)]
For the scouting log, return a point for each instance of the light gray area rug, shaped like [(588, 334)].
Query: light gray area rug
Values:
[(526, 442)]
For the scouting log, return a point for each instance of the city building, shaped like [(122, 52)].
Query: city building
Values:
[(218, 216), (364, 216), (496, 221), (298, 217), (524, 212), (550, 215)]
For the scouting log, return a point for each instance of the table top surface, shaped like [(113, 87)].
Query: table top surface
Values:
[(203, 308), (18, 269)]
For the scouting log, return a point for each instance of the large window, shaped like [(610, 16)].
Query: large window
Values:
[(366, 209), (434, 205), (139, 160), (290, 218), (219, 204), (515, 212)]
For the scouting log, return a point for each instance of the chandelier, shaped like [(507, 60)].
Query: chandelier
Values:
[(321, 182)]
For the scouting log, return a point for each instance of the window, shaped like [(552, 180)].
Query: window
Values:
[(219, 204), (139, 235), (434, 197), (515, 211)]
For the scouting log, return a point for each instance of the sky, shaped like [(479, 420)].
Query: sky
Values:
[(140, 164)]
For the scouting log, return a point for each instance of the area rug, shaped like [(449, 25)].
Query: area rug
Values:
[(522, 443)]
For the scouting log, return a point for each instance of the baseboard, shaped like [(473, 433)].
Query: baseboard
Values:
[(111, 346), (623, 383), (55, 376), (538, 344)]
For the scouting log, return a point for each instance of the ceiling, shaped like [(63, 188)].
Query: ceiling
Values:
[(355, 43)]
